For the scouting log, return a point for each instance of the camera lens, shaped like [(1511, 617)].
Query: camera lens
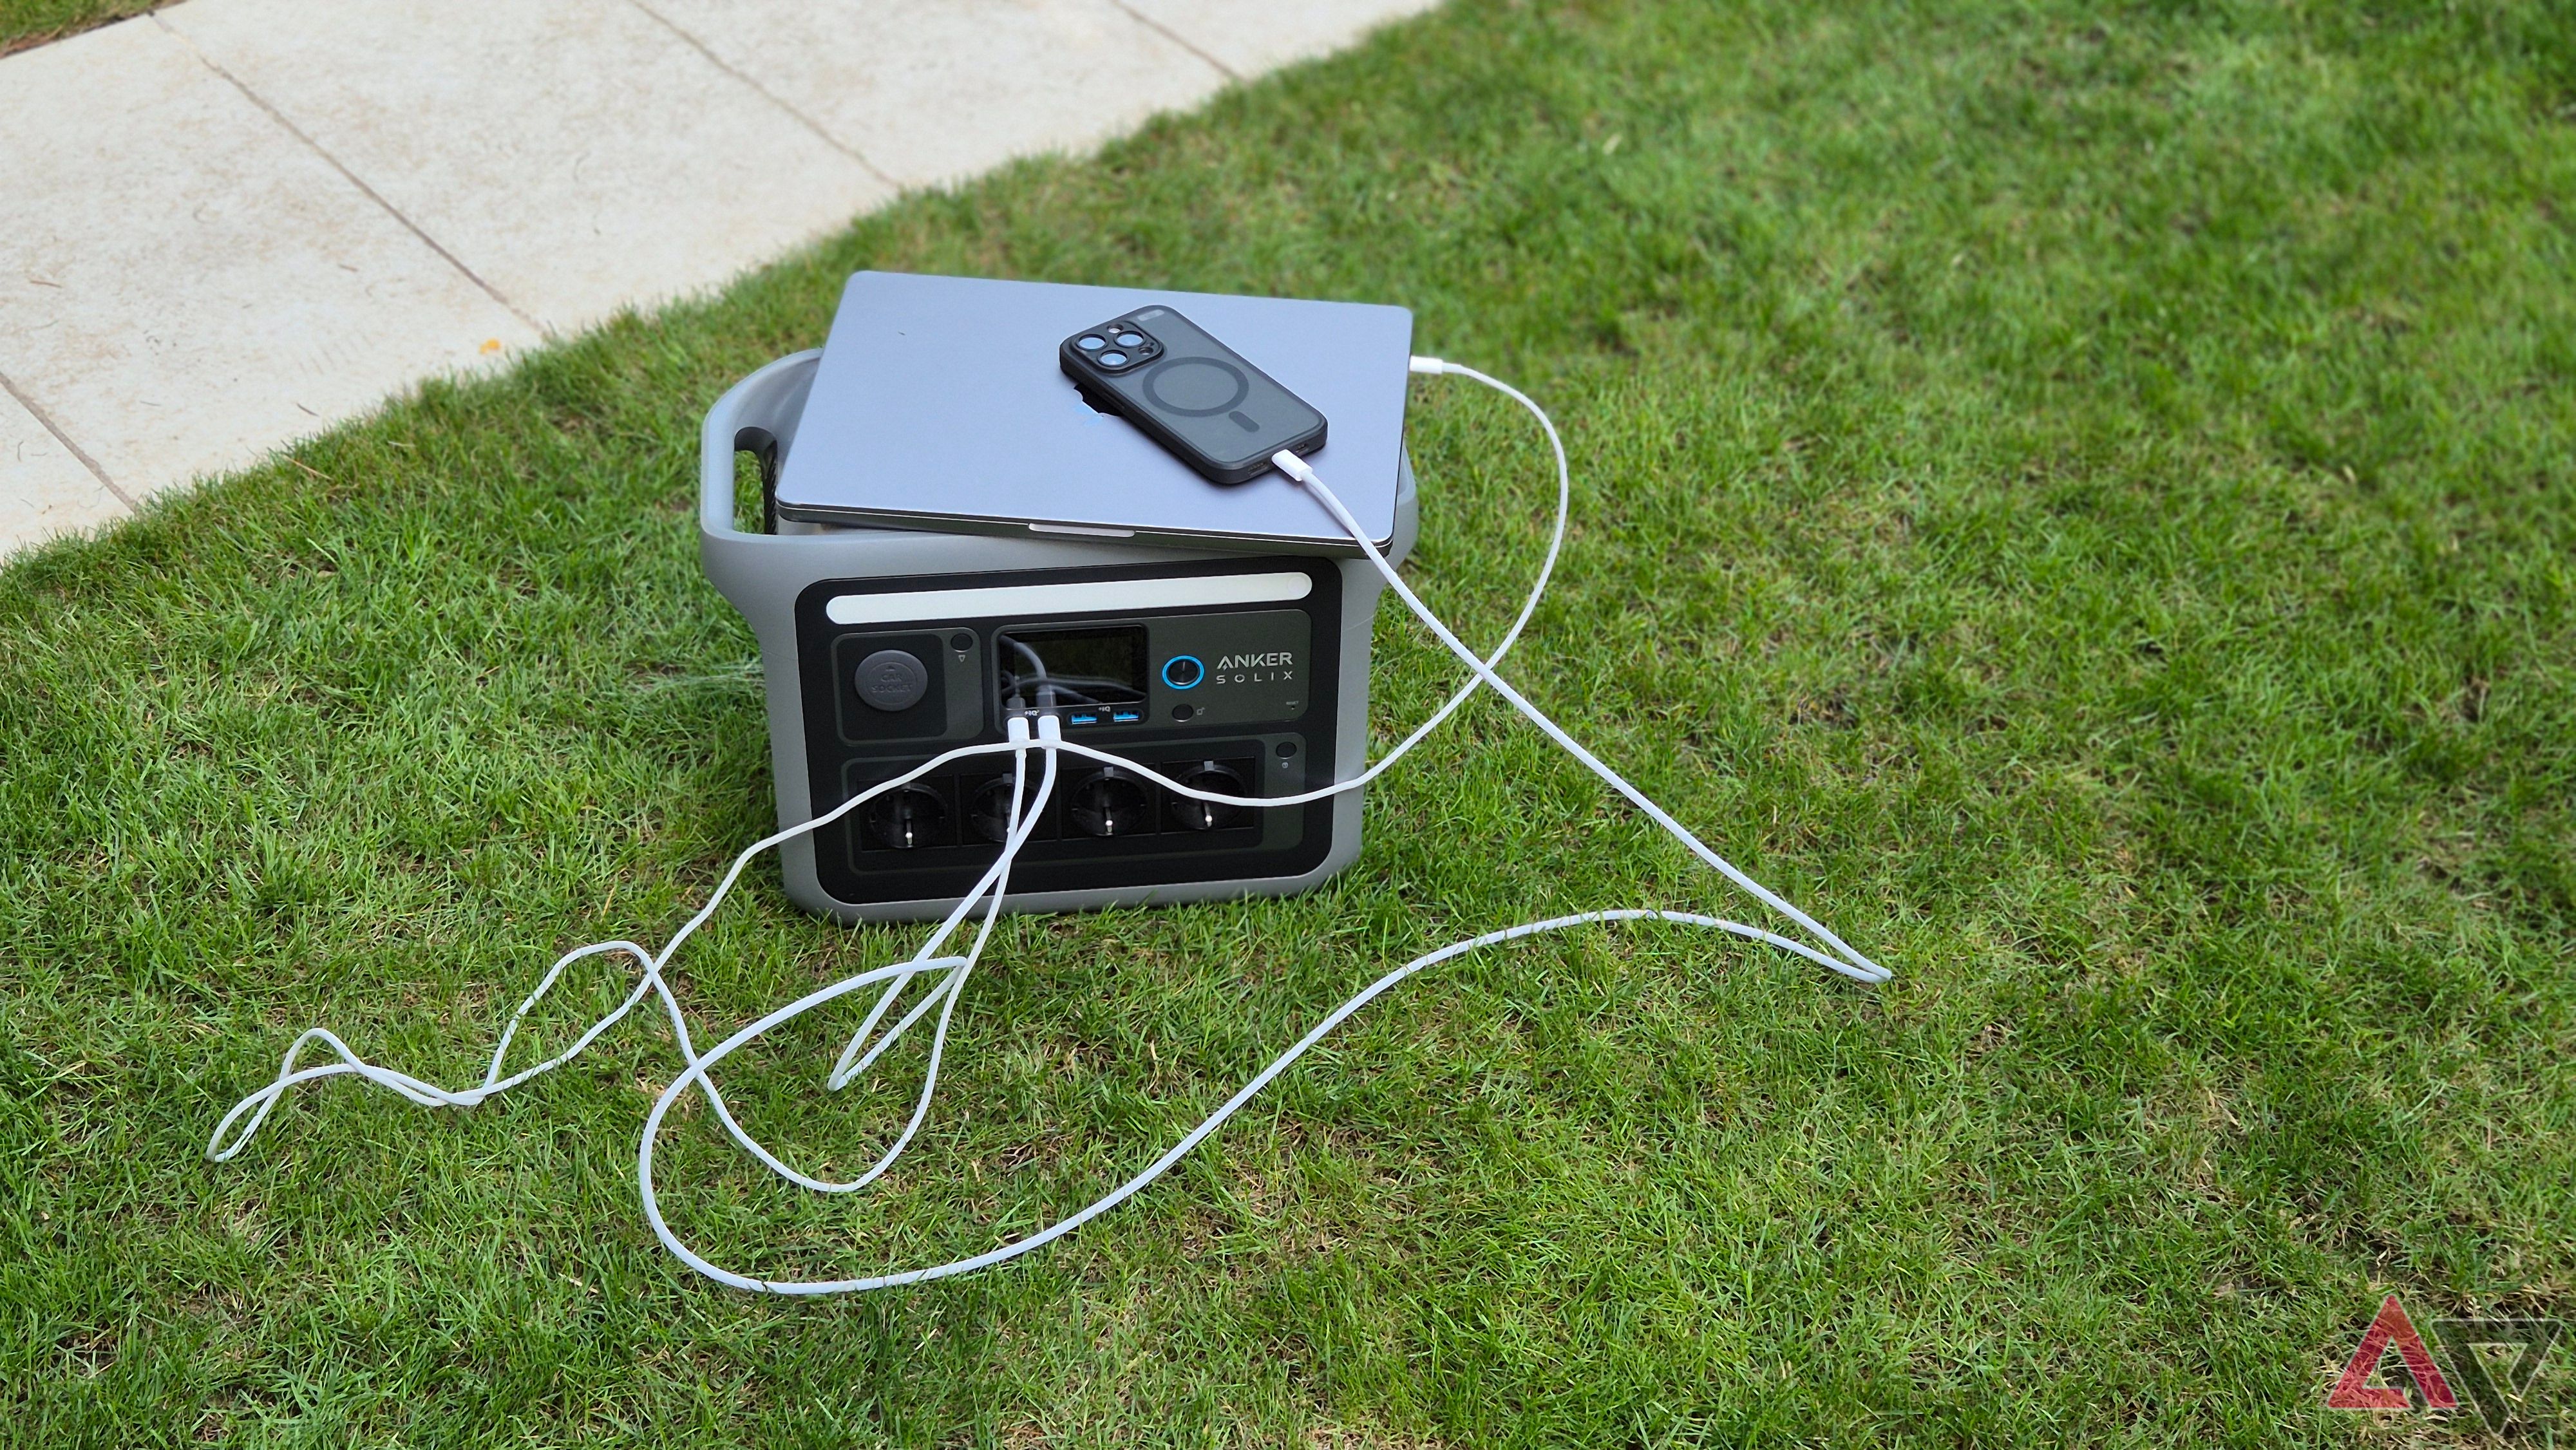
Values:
[(1113, 359), (1131, 339), (1089, 343)]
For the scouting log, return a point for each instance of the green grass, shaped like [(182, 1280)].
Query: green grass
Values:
[(25, 23), (2080, 497)]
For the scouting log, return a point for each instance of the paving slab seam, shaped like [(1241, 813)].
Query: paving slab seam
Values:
[(46, 421), (764, 92), (1176, 38), (336, 164)]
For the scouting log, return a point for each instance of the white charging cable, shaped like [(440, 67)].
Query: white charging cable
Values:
[(951, 972), (1850, 962)]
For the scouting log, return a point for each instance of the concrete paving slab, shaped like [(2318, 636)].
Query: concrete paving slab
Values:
[(184, 285), (577, 155), (932, 91), (238, 222), (1252, 36), (44, 490)]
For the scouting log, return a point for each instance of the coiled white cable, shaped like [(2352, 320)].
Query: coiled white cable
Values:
[(952, 972)]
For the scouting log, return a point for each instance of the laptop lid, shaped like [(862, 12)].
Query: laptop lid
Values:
[(939, 404)]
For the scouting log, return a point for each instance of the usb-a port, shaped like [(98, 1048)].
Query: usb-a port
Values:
[(1083, 717), (1125, 717)]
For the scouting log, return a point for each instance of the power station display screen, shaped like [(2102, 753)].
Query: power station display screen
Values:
[(1073, 667)]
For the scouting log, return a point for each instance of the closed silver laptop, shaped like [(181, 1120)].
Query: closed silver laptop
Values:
[(940, 405)]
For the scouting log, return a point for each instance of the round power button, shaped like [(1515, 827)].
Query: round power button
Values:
[(1182, 672), (893, 679)]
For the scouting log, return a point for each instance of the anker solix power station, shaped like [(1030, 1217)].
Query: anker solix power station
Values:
[(1233, 671)]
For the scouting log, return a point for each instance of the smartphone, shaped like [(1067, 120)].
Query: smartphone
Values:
[(1191, 393)]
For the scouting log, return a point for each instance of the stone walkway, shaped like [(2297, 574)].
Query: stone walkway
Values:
[(231, 223)]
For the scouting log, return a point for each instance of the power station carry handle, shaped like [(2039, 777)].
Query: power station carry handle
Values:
[(770, 402)]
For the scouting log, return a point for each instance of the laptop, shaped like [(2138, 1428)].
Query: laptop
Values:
[(940, 405)]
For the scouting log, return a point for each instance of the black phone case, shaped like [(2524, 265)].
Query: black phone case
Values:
[(1194, 395)]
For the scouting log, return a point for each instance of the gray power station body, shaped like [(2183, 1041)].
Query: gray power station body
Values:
[(1241, 672)]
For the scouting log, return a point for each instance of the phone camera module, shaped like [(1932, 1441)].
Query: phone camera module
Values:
[(1117, 347)]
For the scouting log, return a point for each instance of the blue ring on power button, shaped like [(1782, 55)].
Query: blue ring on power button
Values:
[(1197, 671)]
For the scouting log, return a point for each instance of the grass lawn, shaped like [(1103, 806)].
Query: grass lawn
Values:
[(2078, 496), (33, 22)]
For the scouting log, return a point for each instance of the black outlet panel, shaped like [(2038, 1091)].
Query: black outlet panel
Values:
[(1271, 732)]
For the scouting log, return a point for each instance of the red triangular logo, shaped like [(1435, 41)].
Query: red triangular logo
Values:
[(2355, 1391)]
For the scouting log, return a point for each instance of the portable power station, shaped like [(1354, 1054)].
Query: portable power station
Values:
[(1242, 673)]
